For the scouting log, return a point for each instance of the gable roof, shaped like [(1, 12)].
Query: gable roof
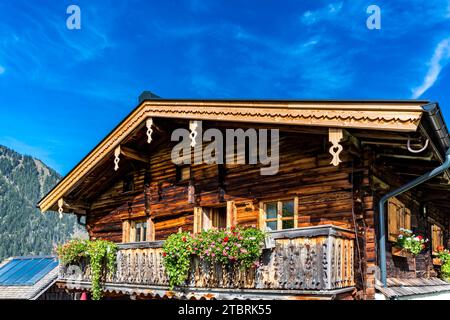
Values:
[(391, 115), (27, 277)]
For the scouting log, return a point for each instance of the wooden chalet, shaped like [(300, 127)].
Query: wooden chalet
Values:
[(337, 159)]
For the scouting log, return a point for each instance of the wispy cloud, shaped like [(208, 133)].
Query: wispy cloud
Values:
[(2, 69), (440, 58), (313, 16)]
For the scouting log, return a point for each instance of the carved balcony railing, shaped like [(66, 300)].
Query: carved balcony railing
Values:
[(314, 258)]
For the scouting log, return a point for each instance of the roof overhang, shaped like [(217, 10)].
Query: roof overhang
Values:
[(400, 116)]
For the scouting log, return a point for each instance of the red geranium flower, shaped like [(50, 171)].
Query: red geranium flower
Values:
[(164, 254), (184, 239), (225, 239), (420, 237)]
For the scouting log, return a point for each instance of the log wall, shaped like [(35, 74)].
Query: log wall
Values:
[(324, 191)]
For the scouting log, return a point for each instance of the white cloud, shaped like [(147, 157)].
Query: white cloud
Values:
[(309, 17), (2, 69), (440, 58)]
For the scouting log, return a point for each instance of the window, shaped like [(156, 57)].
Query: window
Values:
[(214, 218), (437, 237), (398, 217), (128, 183), (280, 215), (183, 173), (218, 218), (136, 231)]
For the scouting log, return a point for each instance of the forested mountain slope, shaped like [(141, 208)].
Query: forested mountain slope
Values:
[(23, 229)]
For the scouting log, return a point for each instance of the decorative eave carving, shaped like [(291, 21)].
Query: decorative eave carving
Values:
[(395, 116), (335, 136)]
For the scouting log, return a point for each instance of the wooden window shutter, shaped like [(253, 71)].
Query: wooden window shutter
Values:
[(295, 212), (231, 214), (150, 230), (198, 215), (262, 217), (437, 237), (407, 219), (126, 231), (392, 220)]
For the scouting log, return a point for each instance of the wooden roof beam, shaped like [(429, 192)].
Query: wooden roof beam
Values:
[(134, 155)]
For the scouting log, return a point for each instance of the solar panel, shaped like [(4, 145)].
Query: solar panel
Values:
[(26, 271)]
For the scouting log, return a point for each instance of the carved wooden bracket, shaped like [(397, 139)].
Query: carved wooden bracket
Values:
[(116, 158), (193, 127), (60, 207), (335, 136), (149, 125)]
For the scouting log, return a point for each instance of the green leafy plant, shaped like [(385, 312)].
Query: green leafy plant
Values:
[(240, 247), (101, 255), (410, 242), (177, 257), (444, 256)]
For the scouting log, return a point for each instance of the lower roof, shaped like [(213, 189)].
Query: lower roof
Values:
[(402, 288)]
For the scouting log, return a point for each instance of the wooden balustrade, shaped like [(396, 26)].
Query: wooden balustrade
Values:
[(314, 258)]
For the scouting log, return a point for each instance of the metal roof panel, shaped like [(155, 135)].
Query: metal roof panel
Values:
[(26, 271)]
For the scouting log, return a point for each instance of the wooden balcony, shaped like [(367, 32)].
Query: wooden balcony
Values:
[(313, 261)]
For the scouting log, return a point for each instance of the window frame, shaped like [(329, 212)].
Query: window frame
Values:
[(279, 217), (145, 228)]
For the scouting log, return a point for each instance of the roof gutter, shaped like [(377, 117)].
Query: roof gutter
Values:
[(439, 130)]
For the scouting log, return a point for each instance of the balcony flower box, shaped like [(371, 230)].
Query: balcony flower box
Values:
[(401, 252)]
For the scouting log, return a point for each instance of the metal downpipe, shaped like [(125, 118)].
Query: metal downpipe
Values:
[(402, 189)]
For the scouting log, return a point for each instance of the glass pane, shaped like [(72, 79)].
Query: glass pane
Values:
[(288, 224), (144, 231), (271, 210), (287, 209), (138, 232), (271, 225)]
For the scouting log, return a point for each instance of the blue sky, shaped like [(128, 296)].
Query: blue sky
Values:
[(62, 91)]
